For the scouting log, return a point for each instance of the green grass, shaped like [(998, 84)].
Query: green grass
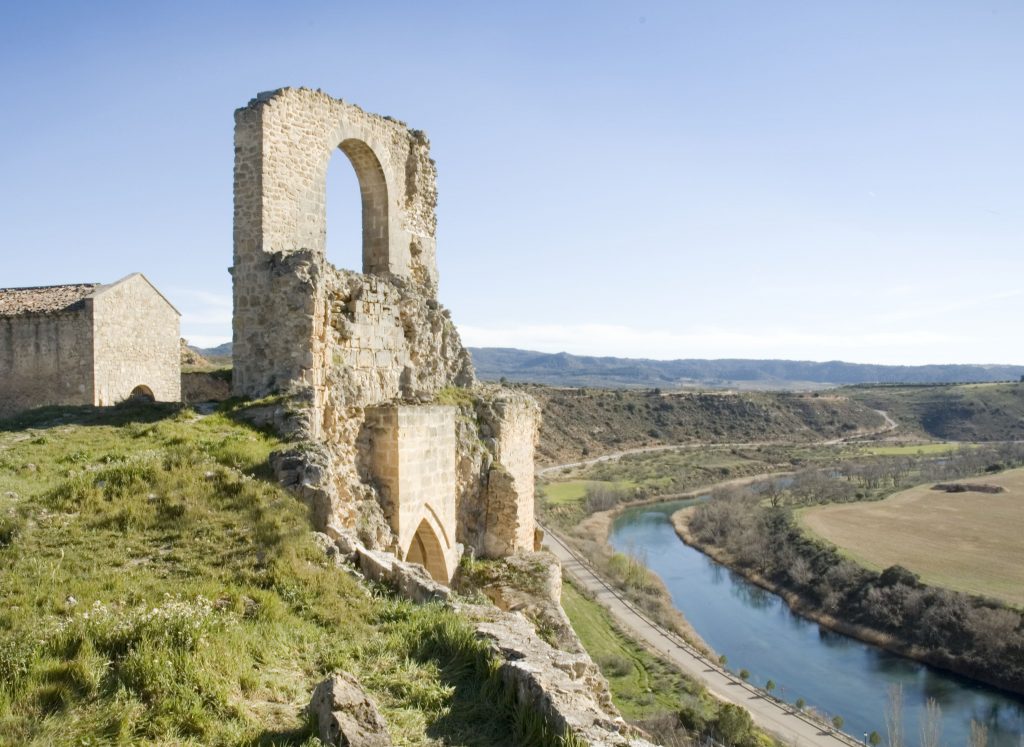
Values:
[(157, 587), (642, 685), (652, 692), (572, 491)]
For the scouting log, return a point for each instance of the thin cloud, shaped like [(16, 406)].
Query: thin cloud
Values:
[(205, 316)]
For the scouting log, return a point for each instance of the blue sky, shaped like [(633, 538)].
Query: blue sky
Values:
[(809, 180)]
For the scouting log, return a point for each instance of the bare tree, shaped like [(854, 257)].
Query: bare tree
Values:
[(800, 571), (894, 716), (931, 724)]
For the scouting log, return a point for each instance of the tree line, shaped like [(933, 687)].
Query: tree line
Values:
[(976, 636)]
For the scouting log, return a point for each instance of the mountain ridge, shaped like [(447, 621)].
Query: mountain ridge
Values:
[(567, 369)]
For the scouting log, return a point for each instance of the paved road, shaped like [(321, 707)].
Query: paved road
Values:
[(769, 714)]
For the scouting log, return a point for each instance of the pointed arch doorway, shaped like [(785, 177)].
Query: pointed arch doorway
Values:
[(426, 550)]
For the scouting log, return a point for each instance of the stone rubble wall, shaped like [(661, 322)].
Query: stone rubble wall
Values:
[(564, 686), (45, 359), (136, 342), (495, 487), (389, 340), (277, 306), (511, 421)]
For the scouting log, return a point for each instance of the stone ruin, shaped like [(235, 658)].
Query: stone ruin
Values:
[(398, 442)]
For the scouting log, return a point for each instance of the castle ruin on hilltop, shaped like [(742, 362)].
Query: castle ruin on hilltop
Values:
[(403, 447)]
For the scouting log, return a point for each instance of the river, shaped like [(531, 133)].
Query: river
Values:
[(833, 673)]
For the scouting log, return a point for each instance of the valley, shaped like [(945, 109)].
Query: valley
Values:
[(868, 470)]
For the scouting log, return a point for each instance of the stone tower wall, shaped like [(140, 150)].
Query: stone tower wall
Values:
[(366, 354), (284, 141)]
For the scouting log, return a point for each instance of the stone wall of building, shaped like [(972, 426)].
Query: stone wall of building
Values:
[(136, 340), (45, 359)]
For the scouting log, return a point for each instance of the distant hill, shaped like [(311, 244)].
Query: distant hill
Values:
[(965, 412), (565, 369), (221, 351), (589, 422)]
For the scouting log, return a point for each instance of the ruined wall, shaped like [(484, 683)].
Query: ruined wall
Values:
[(136, 340), (496, 475), (514, 421), (413, 459), (363, 356), (284, 140), (45, 359), (389, 341)]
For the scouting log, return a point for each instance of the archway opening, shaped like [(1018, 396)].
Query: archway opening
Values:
[(142, 393), (343, 242), (426, 550), (356, 210)]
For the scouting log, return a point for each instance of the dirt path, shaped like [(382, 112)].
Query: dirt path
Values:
[(890, 425), (772, 715)]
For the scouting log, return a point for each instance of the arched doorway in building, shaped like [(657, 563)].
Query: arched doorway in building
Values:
[(142, 393), (426, 550)]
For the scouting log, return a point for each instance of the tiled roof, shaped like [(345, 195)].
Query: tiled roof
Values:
[(45, 300)]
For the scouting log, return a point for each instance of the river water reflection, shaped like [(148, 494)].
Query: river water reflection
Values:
[(835, 674)]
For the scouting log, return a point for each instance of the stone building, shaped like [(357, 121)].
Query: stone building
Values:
[(87, 344), (410, 452)]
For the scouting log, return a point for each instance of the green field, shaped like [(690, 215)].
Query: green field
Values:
[(967, 541), (158, 587), (572, 491)]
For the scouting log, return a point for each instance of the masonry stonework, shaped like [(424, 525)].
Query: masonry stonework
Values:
[(136, 342), (87, 344), (45, 359), (365, 357), (414, 462)]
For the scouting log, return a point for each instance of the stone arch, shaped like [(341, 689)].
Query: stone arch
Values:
[(425, 549), (373, 192), (284, 141), (142, 393)]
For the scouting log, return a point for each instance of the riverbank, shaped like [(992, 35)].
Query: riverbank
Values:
[(594, 531), (793, 725), (803, 607)]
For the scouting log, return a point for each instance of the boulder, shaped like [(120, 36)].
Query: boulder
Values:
[(346, 716)]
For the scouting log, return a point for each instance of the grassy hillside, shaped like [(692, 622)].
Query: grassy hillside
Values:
[(960, 412), (156, 587), (589, 422)]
